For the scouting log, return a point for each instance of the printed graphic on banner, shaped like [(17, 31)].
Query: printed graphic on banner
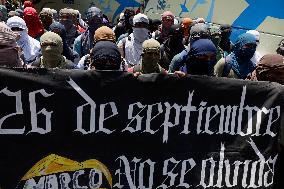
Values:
[(58, 172)]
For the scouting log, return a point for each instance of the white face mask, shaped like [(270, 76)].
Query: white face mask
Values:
[(141, 34)]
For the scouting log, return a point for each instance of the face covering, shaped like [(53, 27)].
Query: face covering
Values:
[(246, 54), (140, 34), (67, 23), (51, 57), (216, 40)]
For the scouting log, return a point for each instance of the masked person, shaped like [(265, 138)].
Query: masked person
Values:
[(150, 59), (127, 28), (3, 13), (105, 56), (201, 58), (225, 43), (85, 42), (28, 4), (215, 36), (35, 27), (66, 18), (52, 48), (269, 68), (55, 15), (167, 22), (71, 55), (9, 52), (29, 46), (238, 64), (197, 31), (20, 13), (186, 25), (131, 46), (103, 33), (172, 46), (46, 18), (257, 56)]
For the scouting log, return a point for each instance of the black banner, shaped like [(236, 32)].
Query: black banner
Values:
[(85, 129)]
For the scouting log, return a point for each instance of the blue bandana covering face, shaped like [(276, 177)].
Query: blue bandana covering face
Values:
[(197, 66), (240, 57)]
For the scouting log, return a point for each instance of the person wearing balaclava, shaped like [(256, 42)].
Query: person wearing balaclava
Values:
[(3, 13), (84, 43), (9, 54), (35, 27), (197, 31), (30, 46), (46, 18), (238, 63), (28, 4), (105, 56), (154, 25), (81, 25), (131, 46), (66, 18), (186, 25), (270, 68), (225, 43), (201, 58), (257, 56), (71, 55), (55, 15), (103, 33), (167, 22), (20, 12), (172, 46), (52, 48), (280, 48), (215, 36), (150, 59), (127, 28), (120, 29)]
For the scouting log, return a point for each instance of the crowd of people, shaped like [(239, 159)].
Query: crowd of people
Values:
[(135, 44)]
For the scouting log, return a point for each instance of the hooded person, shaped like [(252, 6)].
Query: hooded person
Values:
[(238, 63), (103, 33), (46, 17), (269, 68), (105, 56), (201, 58), (172, 46), (280, 48), (197, 31), (85, 42), (82, 26), (71, 55), (52, 48), (55, 15), (167, 22), (131, 46), (3, 13), (28, 4), (186, 25), (257, 56), (35, 27), (215, 36), (9, 54), (150, 58), (120, 28), (30, 46), (225, 43), (20, 12), (66, 18)]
